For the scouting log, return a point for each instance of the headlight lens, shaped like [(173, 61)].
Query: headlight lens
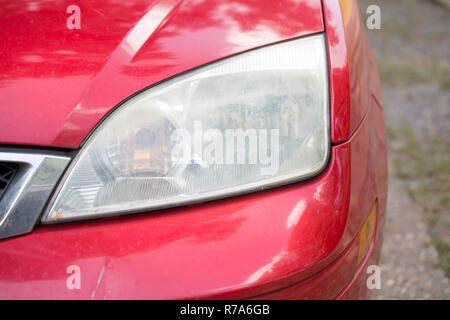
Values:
[(245, 123)]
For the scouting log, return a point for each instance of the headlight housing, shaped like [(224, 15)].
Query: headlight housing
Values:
[(248, 122)]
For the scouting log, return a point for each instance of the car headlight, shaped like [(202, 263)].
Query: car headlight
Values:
[(248, 122)]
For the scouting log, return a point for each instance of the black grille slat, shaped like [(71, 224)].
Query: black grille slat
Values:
[(7, 172)]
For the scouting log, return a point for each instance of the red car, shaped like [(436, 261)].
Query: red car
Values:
[(196, 149)]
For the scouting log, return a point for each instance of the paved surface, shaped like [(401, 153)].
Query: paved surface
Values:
[(416, 31)]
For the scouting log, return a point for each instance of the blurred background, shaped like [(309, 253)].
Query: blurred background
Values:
[(412, 49)]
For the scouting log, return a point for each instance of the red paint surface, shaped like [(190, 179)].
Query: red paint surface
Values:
[(297, 241), (338, 73), (353, 71), (56, 84)]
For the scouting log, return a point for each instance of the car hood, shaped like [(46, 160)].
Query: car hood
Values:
[(57, 83)]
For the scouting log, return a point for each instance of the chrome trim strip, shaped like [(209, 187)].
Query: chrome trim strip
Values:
[(29, 191)]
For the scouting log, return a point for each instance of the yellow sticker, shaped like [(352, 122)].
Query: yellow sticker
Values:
[(366, 234)]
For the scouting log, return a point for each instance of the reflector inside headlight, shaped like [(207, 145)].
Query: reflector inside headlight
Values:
[(245, 123)]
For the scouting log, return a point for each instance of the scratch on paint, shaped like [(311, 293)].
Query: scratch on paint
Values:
[(98, 282)]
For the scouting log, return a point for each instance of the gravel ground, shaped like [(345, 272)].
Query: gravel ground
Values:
[(414, 34), (408, 258)]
